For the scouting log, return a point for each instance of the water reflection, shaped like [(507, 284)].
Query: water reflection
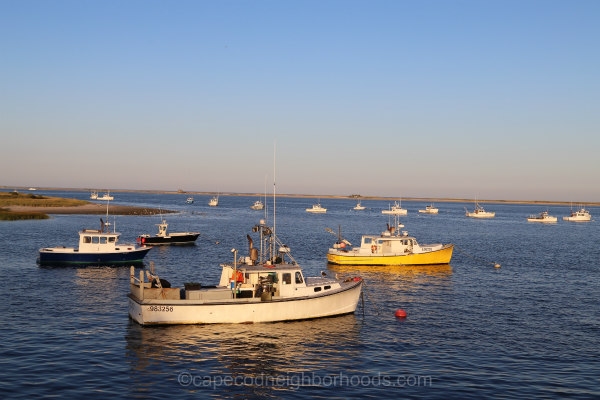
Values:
[(272, 349)]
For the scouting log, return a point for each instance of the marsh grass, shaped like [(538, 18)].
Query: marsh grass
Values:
[(8, 199), (6, 215)]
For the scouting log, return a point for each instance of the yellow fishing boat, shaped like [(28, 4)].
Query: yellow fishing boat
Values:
[(389, 248)]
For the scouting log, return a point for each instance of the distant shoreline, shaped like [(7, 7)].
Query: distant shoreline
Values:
[(350, 197)]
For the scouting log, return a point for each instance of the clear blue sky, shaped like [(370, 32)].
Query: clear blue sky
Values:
[(488, 99)]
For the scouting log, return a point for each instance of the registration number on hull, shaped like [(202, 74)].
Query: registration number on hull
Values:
[(161, 308)]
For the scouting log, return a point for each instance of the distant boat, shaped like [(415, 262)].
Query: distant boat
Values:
[(105, 196), (258, 205), (214, 202), (582, 215), (32, 188), (162, 237), (317, 209), (190, 200), (543, 217), (430, 209), (479, 212), (396, 209), (358, 206), (94, 195)]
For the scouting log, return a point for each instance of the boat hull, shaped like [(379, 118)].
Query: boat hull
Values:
[(551, 220), (175, 312), (577, 219), (173, 238), (64, 256), (481, 215), (441, 256)]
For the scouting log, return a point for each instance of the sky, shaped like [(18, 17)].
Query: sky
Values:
[(448, 98)]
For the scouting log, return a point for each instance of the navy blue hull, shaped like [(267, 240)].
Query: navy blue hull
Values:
[(134, 256), (173, 239)]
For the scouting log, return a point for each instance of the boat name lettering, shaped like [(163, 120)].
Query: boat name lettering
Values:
[(161, 308)]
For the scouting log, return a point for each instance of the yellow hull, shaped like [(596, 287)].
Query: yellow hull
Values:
[(441, 256)]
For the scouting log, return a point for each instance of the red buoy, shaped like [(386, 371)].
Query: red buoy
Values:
[(400, 313)]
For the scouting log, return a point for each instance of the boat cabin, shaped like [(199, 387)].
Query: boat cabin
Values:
[(93, 240), (388, 244)]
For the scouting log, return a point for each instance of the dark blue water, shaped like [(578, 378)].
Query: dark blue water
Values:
[(528, 329)]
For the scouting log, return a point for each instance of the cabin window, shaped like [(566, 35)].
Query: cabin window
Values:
[(95, 239), (111, 239), (318, 289), (103, 240), (286, 278), (87, 239), (368, 240), (299, 277), (327, 287)]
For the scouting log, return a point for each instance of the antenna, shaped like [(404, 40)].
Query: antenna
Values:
[(274, 189)]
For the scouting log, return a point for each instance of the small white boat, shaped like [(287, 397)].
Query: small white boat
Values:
[(543, 217), (190, 200), (479, 212), (214, 202), (581, 215), (262, 287), (94, 195), (430, 209), (258, 205), (317, 209), (105, 196), (396, 209), (358, 206), (32, 188)]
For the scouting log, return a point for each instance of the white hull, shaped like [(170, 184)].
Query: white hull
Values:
[(322, 211), (481, 214), (578, 219), (549, 220), (148, 312), (401, 211), (430, 211)]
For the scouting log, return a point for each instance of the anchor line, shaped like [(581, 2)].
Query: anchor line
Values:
[(475, 258), (375, 305)]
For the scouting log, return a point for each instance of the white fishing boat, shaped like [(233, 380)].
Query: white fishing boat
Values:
[(106, 196), (265, 286), (542, 217), (317, 209), (359, 207), (258, 205), (214, 202), (94, 195), (430, 209), (396, 209), (190, 200), (479, 212), (581, 215)]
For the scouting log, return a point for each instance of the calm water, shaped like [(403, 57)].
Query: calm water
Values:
[(529, 329)]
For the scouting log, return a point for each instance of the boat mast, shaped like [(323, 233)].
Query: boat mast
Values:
[(274, 188)]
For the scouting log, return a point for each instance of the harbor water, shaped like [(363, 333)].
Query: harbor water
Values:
[(530, 329)]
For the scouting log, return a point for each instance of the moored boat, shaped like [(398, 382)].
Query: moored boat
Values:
[(396, 209), (190, 200), (264, 286), (317, 209), (96, 246), (359, 207), (214, 202), (162, 237), (479, 212), (430, 209), (258, 205), (581, 215), (93, 195), (542, 217), (389, 248), (105, 196)]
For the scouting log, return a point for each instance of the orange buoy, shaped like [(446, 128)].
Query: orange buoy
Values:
[(400, 313)]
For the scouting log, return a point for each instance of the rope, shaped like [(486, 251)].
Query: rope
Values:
[(364, 291), (496, 265)]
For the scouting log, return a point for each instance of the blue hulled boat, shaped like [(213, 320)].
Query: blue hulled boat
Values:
[(96, 246)]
